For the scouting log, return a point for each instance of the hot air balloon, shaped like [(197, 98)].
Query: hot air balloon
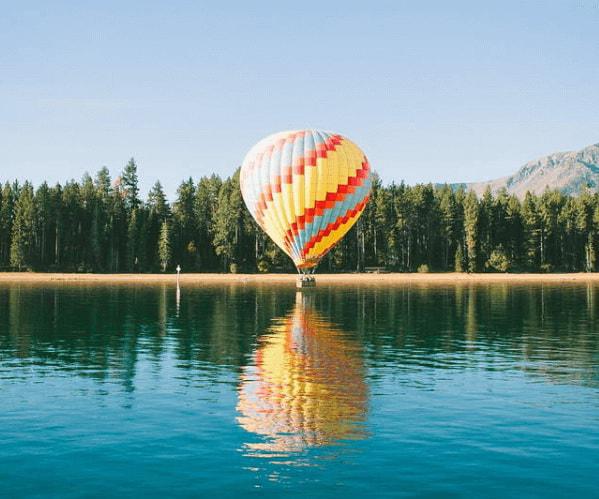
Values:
[(305, 189)]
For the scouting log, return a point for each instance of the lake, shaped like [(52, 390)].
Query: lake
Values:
[(468, 390)]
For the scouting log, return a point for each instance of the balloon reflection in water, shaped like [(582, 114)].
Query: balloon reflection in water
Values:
[(306, 387)]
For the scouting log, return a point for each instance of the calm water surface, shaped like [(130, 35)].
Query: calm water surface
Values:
[(488, 390)]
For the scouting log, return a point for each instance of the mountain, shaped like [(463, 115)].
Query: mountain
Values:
[(566, 171)]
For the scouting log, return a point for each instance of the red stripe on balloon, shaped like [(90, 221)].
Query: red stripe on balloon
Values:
[(287, 172), (343, 190), (268, 150), (299, 164), (334, 226)]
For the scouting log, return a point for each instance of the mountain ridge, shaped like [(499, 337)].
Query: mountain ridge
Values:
[(567, 171)]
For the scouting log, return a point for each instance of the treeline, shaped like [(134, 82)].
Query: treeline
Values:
[(102, 225)]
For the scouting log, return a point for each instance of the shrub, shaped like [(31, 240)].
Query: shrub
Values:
[(263, 266), (498, 261), (423, 269), (233, 268)]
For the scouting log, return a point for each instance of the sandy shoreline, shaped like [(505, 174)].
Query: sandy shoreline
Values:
[(341, 279)]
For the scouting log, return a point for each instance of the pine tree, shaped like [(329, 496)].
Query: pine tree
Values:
[(224, 226), (184, 225), (129, 185), (57, 209), (244, 238), (87, 214), (23, 229), (43, 224), (449, 225), (157, 203), (102, 182), (205, 203), (158, 211), (164, 246), (585, 227), (595, 234), (486, 227), (458, 265), (117, 229), (404, 213), (6, 222), (471, 231), (132, 242), (550, 206), (101, 226), (71, 230), (514, 231), (534, 241)]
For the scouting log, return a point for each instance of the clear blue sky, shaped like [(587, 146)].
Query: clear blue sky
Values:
[(432, 91)]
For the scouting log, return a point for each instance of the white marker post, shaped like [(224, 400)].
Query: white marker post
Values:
[(178, 295)]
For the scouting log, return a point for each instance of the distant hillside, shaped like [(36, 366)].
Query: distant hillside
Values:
[(566, 171)]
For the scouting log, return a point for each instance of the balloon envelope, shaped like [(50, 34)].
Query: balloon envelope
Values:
[(306, 189)]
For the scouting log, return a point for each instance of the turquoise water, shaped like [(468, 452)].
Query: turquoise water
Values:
[(419, 391)]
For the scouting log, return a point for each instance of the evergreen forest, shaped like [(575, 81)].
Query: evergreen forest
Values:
[(101, 224)]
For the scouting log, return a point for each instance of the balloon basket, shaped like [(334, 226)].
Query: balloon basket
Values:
[(305, 281)]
